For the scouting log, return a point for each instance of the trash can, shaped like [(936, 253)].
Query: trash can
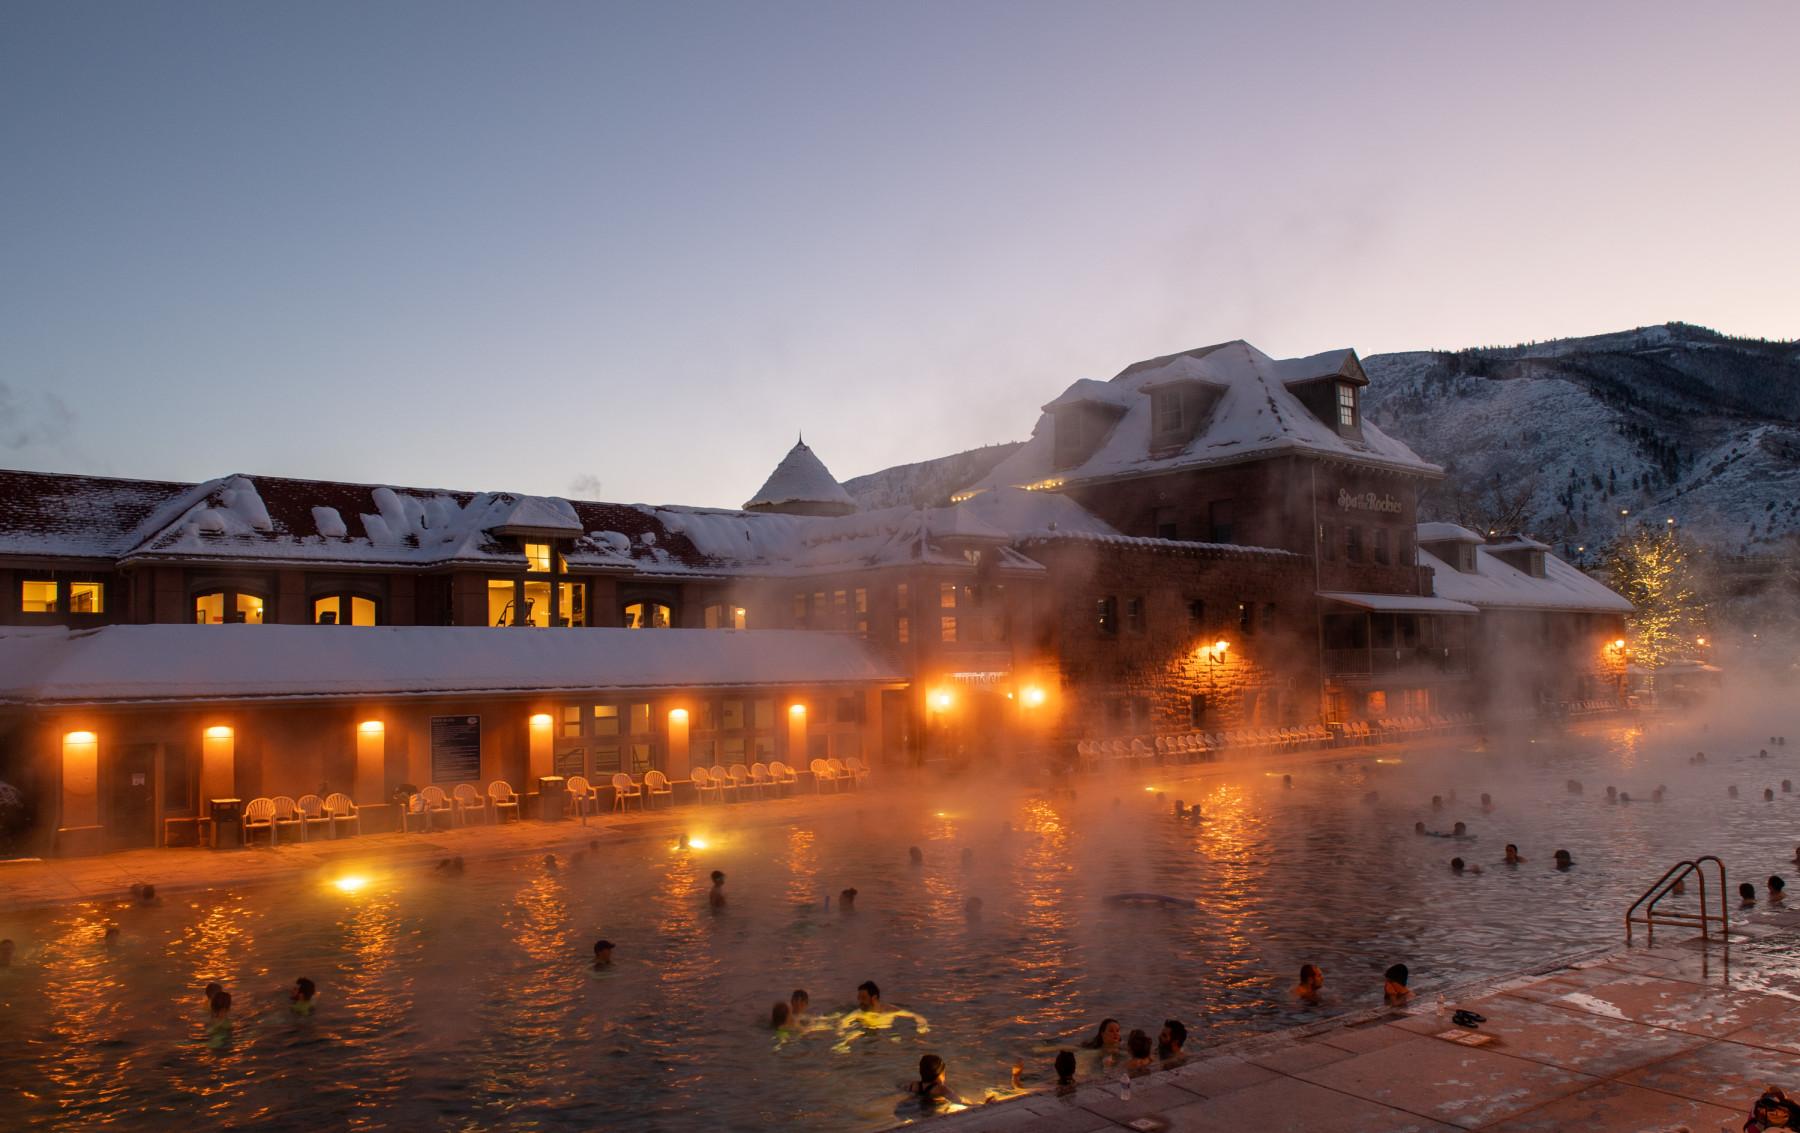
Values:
[(227, 823), (553, 798)]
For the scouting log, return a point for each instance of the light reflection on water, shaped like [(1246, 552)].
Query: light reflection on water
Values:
[(468, 1002)]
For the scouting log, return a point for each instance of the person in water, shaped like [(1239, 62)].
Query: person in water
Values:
[(1747, 892), (603, 950), (780, 1015), (1142, 1052), (972, 909), (1512, 854), (1065, 1072), (798, 1003), (1312, 983), (300, 1000), (1777, 888), (872, 1015), (1105, 1043), (847, 900), (1460, 830), (1170, 1041), (915, 855), (1393, 985), (932, 1088), (218, 1023), (716, 898), (6, 952), (1563, 859)]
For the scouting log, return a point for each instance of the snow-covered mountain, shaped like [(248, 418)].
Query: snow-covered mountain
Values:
[(927, 483), (1562, 439)]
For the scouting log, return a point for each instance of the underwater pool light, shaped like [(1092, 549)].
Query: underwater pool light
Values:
[(350, 883)]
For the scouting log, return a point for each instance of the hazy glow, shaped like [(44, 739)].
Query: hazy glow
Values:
[(79, 738), (371, 726), (923, 197), (942, 700), (349, 883), (219, 732), (541, 720), (1032, 696)]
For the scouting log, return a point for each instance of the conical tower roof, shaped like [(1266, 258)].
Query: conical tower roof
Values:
[(802, 485)]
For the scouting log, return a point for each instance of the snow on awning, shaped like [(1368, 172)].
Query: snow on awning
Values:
[(1398, 603), (183, 663)]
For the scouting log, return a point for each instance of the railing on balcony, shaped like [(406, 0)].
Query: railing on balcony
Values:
[(1372, 661)]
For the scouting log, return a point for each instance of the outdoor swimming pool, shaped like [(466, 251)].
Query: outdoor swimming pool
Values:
[(466, 1002)]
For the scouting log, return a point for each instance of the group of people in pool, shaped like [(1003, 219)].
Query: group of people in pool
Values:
[(219, 1024)]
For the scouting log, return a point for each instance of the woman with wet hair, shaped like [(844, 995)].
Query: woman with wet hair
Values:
[(932, 1089), (1106, 1037), (1312, 983)]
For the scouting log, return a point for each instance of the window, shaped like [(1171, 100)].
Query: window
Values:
[(1327, 541), (647, 615), (537, 558), (1166, 414), (1346, 403), (722, 616), (861, 607), (1353, 544), (849, 710), (1107, 615), (1247, 617), (1166, 527), (1196, 608), (344, 610), (1406, 556), (732, 717), (902, 596), (90, 597), (947, 595), (840, 610), (1218, 514), (218, 607), (947, 628), (1134, 615), (572, 598), (903, 629), (1381, 545), (800, 611), (38, 598), (607, 749), (1197, 710), (1268, 616), (501, 607)]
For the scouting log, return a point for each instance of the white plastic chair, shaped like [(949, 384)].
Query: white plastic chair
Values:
[(857, 770), (468, 802), (722, 781), (582, 795), (339, 808), (259, 814), (704, 784), (839, 771), (740, 780), (656, 785), (760, 782), (624, 788), (504, 798), (436, 803), (287, 813), (782, 776), (312, 813), (822, 775)]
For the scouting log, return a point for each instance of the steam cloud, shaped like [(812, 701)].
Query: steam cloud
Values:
[(32, 419)]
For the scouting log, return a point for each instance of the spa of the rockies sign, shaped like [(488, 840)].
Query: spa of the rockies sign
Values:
[(1367, 501)]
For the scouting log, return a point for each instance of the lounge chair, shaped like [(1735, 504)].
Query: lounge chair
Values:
[(503, 798), (856, 769), (722, 781), (625, 787), (656, 785), (760, 782), (312, 813), (287, 813), (822, 775), (339, 808), (741, 781), (839, 771), (259, 814), (704, 784), (782, 776)]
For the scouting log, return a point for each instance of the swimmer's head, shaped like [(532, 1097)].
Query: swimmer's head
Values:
[(1512, 852), (1460, 829), (1768, 794), (304, 990), (1138, 1043), (1397, 975), (1418, 828), (1311, 976), (1563, 859), (219, 1001), (111, 935), (799, 1000), (778, 1015), (914, 855), (603, 950), (847, 899), (1776, 885), (1172, 1038), (1748, 892), (972, 908), (212, 989), (549, 861), (144, 892), (718, 877), (1437, 802), (868, 995), (1456, 865), (1065, 1066), (6, 952), (931, 1070)]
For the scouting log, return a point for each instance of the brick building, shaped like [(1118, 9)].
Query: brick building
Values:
[(1209, 540)]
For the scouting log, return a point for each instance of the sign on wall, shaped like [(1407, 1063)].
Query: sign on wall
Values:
[(455, 749), (1367, 501)]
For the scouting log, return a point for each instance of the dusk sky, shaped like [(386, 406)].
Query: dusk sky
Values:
[(535, 246)]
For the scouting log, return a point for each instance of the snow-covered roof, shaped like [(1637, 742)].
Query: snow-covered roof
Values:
[(1496, 585), (1087, 391), (1517, 543), (801, 478), (1257, 415), (140, 663), (1399, 603), (1446, 533), (57, 515)]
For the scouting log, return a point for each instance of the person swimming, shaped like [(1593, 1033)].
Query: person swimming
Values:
[(1312, 983), (218, 1023), (1065, 1072), (1141, 1051), (1487, 802), (1747, 894), (716, 898), (110, 938), (1437, 802), (915, 855), (780, 1015), (1563, 859), (7, 948), (847, 900), (1393, 985), (550, 862), (1512, 854), (932, 1088), (1768, 794), (1777, 888), (1170, 1041), (1460, 830), (872, 1015), (300, 999), (972, 909), (798, 1003), (603, 950), (1105, 1041)]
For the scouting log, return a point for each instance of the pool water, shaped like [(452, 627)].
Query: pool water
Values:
[(466, 1002)]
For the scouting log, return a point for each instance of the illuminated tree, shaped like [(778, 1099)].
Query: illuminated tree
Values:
[(1653, 569)]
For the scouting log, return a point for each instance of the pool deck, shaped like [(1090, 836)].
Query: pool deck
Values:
[(1682, 1036)]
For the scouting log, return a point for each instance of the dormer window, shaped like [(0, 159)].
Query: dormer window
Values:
[(1166, 412), (537, 558), (1535, 564), (1346, 405)]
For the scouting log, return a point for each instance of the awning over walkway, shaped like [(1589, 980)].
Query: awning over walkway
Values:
[(1398, 603)]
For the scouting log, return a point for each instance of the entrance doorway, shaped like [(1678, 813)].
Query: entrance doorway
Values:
[(131, 797)]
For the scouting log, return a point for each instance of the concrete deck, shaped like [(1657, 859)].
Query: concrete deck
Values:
[(1644, 1040)]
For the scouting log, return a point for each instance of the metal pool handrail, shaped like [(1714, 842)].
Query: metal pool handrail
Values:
[(1675, 874)]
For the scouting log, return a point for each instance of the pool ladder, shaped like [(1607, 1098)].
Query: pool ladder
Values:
[(1676, 874)]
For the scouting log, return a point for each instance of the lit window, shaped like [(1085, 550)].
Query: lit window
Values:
[(572, 598), (87, 598), (721, 616), (220, 606), (537, 604), (647, 615), (903, 629), (1107, 614), (500, 602), (947, 629), (1346, 402), (332, 610), (571, 721), (38, 598), (537, 558), (947, 595)]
